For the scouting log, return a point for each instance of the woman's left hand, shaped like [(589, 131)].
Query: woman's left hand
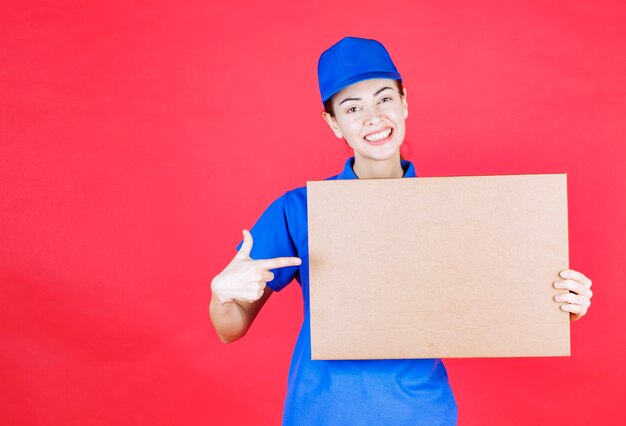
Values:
[(578, 300)]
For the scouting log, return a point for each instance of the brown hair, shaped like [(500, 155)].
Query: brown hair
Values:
[(328, 105)]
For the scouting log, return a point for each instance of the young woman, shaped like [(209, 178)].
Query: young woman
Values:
[(365, 104)]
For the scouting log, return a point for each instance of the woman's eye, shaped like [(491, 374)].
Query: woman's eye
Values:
[(352, 109), (386, 99)]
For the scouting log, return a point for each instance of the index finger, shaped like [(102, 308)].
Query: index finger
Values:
[(278, 262), (575, 275)]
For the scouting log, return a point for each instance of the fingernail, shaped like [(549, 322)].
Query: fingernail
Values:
[(564, 274), (556, 284)]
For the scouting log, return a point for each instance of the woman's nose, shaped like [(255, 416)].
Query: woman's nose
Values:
[(373, 117)]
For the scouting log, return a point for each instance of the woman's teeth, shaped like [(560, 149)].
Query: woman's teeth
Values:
[(378, 136)]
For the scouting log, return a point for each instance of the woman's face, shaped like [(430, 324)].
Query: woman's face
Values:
[(370, 116)]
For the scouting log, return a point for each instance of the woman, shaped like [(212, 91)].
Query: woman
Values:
[(365, 104)]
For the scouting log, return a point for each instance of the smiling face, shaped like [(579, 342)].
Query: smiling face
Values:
[(370, 115)]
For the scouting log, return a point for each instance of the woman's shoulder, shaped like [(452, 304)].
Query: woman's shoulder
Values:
[(295, 198), (298, 194)]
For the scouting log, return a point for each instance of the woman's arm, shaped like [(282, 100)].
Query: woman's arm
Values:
[(233, 319), (239, 291)]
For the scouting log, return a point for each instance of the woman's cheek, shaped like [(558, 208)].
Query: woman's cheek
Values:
[(354, 131)]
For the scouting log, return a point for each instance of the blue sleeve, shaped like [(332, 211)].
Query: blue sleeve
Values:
[(271, 238)]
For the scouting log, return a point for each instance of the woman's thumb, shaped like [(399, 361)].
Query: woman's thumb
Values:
[(244, 251)]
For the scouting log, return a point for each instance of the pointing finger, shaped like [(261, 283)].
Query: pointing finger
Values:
[(278, 262)]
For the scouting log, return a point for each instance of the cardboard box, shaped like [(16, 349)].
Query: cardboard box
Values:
[(438, 267)]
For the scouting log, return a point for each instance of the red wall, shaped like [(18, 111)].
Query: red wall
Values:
[(136, 141)]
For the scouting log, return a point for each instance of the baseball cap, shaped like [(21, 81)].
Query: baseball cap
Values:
[(350, 60)]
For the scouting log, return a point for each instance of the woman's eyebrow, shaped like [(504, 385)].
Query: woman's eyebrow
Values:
[(358, 99), (380, 90)]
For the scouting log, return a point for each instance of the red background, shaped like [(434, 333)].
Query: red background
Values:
[(137, 140)]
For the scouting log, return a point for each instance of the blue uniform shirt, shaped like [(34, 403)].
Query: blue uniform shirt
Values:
[(352, 392)]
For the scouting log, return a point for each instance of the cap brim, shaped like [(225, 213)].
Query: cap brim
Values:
[(361, 77)]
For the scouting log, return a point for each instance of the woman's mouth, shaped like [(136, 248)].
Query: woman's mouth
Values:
[(380, 137)]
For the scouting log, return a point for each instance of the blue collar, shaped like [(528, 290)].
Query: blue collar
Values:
[(348, 173)]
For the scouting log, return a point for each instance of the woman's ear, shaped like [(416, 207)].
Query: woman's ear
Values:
[(332, 123), (404, 103)]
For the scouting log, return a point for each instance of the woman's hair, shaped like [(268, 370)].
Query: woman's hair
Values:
[(328, 105)]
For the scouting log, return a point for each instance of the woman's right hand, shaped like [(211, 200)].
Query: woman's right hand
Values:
[(244, 278)]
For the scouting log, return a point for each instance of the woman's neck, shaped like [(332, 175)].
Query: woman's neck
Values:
[(366, 168)]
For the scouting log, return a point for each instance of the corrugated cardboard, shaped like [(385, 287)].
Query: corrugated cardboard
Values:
[(437, 267)]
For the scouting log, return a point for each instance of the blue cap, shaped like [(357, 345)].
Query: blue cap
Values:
[(351, 60)]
